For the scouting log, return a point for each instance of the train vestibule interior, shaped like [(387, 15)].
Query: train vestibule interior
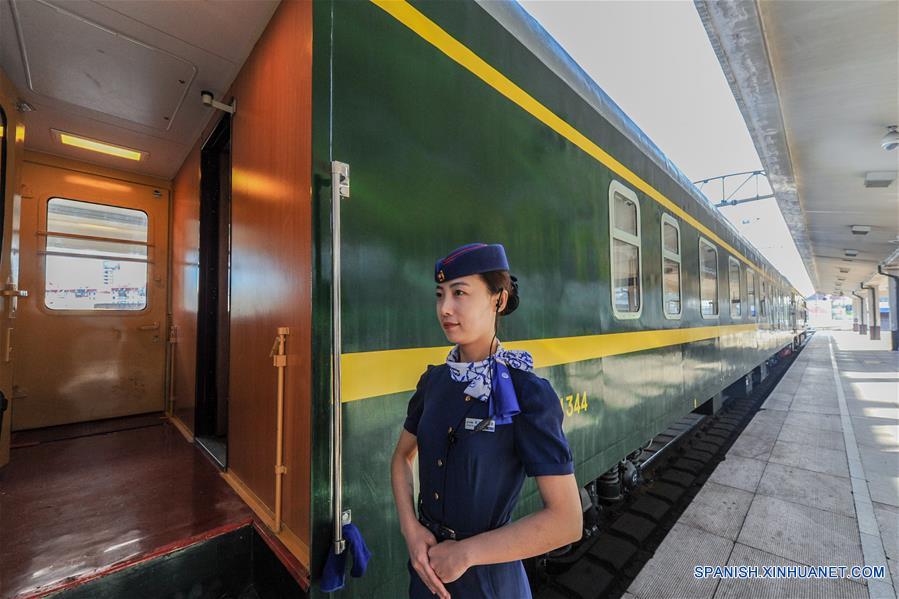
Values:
[(155, 263)]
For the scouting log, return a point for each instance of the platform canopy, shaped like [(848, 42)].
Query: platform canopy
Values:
[(817, 85)]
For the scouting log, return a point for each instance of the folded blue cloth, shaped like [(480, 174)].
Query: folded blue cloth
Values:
[(334, 572), (503, 401)]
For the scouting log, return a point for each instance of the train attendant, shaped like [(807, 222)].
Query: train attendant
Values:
[(480, 423)]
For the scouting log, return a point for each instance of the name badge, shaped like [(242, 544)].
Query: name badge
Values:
[(471, 423)]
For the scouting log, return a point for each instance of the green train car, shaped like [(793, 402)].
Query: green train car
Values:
[(273, 239), (464, 122)]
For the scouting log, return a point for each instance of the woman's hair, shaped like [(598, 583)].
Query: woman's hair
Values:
[(497, 280)]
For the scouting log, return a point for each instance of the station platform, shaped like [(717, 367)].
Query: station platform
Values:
[(813, 480)]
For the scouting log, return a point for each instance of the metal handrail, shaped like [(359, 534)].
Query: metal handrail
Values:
[(94, 238), (340, 188), (94, 256)]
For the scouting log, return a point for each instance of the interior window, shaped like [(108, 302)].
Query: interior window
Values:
[(708, 278), (96, 257)]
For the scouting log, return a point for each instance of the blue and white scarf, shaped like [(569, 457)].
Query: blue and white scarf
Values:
[(489, 379)]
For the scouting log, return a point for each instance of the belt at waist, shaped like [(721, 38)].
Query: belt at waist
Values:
[(441, 532)]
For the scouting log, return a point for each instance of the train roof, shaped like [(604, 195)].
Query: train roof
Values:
[(527, 30)]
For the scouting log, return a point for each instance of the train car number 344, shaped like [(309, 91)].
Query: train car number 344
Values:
[(574, 404)]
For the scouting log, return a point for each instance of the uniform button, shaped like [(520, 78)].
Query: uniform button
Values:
[(450, 430), (468, 398), (440, 462), (436, 495)]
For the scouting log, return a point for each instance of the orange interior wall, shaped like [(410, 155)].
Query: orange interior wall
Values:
[(185, 277), (271, 262)]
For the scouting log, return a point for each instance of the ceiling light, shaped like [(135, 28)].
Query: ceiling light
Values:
[(879, 178), (847, 259), (851, 253), (841, 278), (94, 145), (23, 106), (890, 141), (844, 270), (861, 229)]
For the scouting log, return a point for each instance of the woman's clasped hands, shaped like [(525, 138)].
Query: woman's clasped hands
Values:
[(436, 563), (448, 560)]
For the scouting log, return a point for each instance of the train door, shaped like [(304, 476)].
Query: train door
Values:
[(91, 335), (213, 314)]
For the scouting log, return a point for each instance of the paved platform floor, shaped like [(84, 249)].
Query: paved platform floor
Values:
[(813, 480)]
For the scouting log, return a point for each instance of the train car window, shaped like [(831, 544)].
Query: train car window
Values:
[(96, 257), (776, 309), (671, 267), (750, 292), (708, 279), (763, 301), (783, 311), (779, 303), (627, 291), (733, 283)]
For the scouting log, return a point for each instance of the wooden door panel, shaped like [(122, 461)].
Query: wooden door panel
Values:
[(91, 345)]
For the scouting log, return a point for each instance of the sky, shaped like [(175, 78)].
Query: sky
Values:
[(654, 59)]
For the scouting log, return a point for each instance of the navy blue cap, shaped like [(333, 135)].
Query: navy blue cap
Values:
[(471, 259)]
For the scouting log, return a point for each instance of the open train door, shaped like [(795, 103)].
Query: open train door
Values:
[(11, 143)]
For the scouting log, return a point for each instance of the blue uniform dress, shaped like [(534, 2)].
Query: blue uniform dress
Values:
[(470, 480)]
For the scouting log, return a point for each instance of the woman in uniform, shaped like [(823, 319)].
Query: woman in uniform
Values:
[(480, 423)]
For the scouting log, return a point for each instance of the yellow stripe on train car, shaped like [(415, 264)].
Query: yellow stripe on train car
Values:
[(377, 373)]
